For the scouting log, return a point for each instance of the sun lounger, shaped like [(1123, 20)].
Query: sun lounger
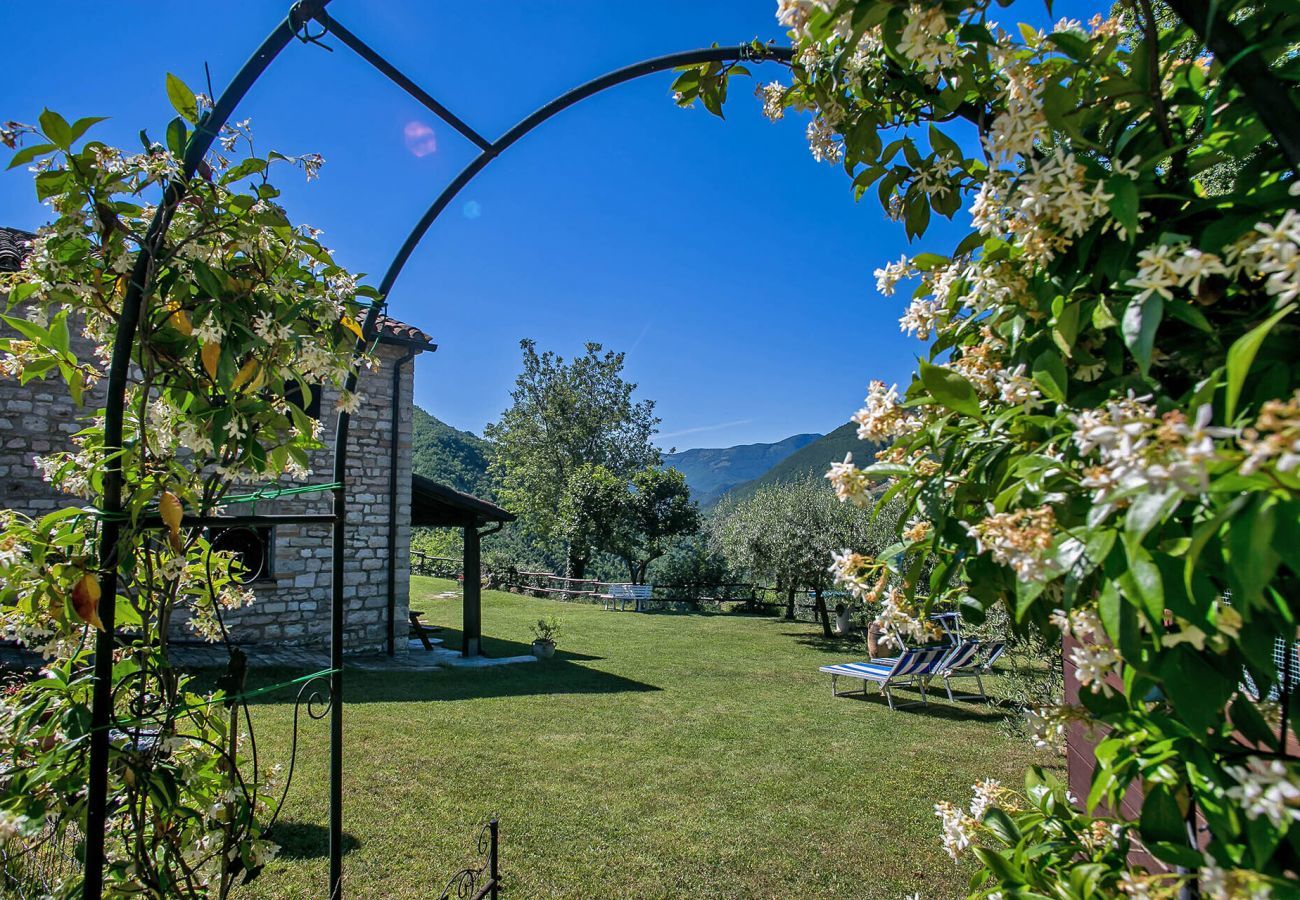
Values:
[(973, 665), (913, 667)]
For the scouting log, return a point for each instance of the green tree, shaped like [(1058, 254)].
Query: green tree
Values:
[(786, 534), (589, 514), (655, 507), (564, 416)]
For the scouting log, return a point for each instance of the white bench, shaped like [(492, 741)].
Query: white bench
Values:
[(622, 594)]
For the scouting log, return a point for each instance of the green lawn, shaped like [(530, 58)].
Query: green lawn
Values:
[(661, 755)]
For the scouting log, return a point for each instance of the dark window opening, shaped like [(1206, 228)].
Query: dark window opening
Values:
[(251, 548), (304, 396)]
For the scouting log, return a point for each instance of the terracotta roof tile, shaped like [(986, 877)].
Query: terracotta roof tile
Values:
[(13, 247)]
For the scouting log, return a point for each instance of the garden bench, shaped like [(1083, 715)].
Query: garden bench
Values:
[(622, 594), (420, 630)]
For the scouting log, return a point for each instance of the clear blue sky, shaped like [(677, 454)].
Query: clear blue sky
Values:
[(731, 267)]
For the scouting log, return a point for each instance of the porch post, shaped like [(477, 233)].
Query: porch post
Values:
[(473, 613)]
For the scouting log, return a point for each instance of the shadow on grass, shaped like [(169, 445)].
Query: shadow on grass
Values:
[(850, 644), (306, 840), (939, 707)]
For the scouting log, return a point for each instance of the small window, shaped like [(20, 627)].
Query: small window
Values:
[(251, 546), (304, 396)]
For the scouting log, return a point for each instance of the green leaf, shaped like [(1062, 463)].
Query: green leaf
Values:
[(927, 261), (1147, 510), (82, 125), (1162, 819), (29, 153), (57, 129), (943, 145), (1242, 353), (177, 136), (950, 389), (182, 98), (1049, 374), (1123, 202), (1141, 319)]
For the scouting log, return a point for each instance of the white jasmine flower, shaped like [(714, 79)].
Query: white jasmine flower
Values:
[(1266, 788)]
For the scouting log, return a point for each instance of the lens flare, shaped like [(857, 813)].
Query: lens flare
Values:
[(420, 139)]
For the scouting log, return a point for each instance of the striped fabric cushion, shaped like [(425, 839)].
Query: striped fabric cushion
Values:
[(961, 656)]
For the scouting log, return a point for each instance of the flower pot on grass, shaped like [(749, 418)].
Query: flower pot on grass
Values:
[(544, 634)]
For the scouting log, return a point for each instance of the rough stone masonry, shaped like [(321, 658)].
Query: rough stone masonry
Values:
[(293, 591)]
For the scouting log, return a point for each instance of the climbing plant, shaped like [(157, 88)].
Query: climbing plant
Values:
[(242, 310), (1105, 434)]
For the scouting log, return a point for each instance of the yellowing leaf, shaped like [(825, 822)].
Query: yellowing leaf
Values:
[(180, 320), (211, 354), (85, 600), (351, 325), (169, 505), (248, 372)]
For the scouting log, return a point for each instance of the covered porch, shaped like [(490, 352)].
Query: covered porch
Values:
[(435, 505)]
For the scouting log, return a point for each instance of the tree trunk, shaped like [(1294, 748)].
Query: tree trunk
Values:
[(821, 611), (789, 604), (575, 565)]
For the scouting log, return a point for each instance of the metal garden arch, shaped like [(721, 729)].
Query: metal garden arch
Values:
[(295, 25)]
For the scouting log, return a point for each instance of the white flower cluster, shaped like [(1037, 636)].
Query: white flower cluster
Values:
[(924, 39), (1270, 253), (794, 14), (1019, 539), (897, 621), (1218, 883), (887, 278), (1022, 122), (1139, 451), (1275, 436), (958, 828), (850, 482), (1095, 658), (773, 97), (1274, 255), (1266, 787), (822, 142), (987, 794), (883, 417)]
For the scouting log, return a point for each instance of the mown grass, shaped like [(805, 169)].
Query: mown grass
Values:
[(658, 755)]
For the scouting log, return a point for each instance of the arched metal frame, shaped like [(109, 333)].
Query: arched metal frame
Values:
[(295, 24)]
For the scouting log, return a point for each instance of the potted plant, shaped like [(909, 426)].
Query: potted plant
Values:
[(544, 634), (842, 619)]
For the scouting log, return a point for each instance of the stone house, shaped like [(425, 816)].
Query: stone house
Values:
[(291, 562)]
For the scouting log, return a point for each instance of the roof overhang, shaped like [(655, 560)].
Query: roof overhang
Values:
[(439, 506)]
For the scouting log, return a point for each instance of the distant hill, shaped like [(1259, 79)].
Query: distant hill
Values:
[(450, 456), (815, 457), (712, 472)]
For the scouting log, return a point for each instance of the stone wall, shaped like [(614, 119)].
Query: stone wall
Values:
[(293, 598)]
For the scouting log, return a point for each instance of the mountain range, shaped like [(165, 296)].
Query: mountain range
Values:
[(459, 459), (815, 458), (711, 472)]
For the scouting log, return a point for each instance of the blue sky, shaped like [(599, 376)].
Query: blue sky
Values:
[(733, 269)]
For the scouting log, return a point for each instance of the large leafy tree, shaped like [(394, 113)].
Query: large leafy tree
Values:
[(655, 507), (786, 534), (564, 416), (1105, 434)]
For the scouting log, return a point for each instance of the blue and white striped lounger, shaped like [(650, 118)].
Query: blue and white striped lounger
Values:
[(912, 667), (975, 665)]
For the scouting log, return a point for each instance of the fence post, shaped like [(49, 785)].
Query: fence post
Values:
[(494, 870)]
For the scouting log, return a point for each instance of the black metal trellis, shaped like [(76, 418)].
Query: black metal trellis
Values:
[(294, 25)]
